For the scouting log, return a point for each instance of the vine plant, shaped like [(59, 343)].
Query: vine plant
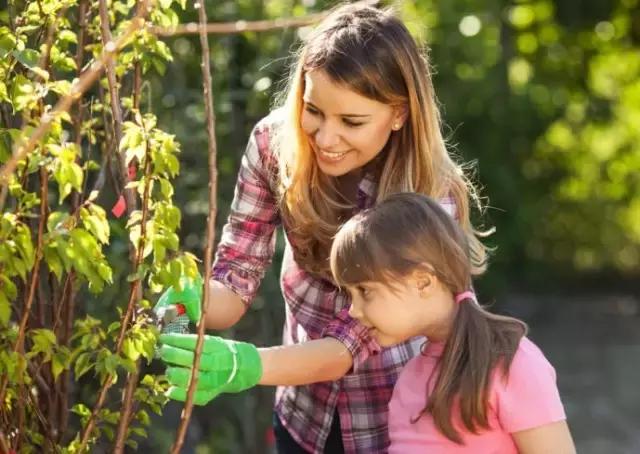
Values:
[(58, 218)]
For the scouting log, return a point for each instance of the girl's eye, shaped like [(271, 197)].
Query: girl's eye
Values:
[(351, 124), (364, 291)]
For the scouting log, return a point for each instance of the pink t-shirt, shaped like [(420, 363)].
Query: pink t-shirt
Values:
[(528, 399)]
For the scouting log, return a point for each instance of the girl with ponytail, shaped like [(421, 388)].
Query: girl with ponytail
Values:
[(480, 385)]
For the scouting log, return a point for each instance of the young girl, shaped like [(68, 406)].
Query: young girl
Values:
[(358, 121), (479, 385)]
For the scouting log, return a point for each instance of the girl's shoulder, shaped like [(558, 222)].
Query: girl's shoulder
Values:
[(528, 397), (528, 356)]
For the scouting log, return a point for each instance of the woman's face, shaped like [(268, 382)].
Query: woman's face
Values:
[(346, 130)]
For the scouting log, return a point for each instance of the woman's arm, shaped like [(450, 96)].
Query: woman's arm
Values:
[(553, 438), (247, 243), (313, 361)]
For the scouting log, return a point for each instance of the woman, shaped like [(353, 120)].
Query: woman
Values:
[(358, 122)]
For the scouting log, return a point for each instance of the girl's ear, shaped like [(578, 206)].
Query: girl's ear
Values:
[(425, 282)]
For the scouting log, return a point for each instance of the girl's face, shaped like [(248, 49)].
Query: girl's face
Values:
[(346, 130), (410, 308)]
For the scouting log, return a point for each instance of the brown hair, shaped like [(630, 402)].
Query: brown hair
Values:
[(371, 52), (408, 232)]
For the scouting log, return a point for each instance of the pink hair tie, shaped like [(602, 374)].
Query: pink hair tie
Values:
[(460, 297)]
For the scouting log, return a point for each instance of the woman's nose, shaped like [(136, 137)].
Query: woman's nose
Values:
[(326, 137)]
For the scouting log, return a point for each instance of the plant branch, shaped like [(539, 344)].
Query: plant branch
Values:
[(213, 177), (32, 287), (136, 24), (240, 26), (4, 448), (132, 379), (116, 111)]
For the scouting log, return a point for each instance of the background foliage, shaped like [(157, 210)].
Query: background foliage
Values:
[(542, 96)]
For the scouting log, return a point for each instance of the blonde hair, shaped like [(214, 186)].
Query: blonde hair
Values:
[(371, 52), (409, 232)]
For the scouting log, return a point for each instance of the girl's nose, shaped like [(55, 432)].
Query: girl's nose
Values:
[(356, 312)]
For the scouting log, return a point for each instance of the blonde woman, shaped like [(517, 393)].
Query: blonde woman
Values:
[(358, 122)]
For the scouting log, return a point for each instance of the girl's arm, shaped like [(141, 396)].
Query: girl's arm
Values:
[(225, 307), (553, 438), (326, 359), (228, 366)]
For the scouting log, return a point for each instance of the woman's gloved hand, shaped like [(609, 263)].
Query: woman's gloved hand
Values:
[(226, 366), (190, 297)]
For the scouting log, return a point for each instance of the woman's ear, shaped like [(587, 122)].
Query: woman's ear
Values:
[(400, 115)]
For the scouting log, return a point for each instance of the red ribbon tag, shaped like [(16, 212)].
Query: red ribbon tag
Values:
[(119, 207)]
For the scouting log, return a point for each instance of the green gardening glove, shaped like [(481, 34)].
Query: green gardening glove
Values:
[(226, 366), (190, 297)]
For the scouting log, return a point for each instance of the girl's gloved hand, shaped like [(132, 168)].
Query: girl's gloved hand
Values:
[(226, 366), (190, 297)]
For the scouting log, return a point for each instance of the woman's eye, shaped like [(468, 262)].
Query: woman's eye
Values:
[(312, 110), (351, 124), (364, 292)]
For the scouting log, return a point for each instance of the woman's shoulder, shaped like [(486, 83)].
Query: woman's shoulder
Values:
[(268, 125), (263, 137)]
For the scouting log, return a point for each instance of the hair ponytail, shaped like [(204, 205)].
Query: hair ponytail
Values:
[(478, 342)]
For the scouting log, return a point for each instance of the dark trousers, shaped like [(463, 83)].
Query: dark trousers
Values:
[(285, 444)]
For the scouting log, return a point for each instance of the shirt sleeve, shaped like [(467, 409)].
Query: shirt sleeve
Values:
[(530, 397), (354, 336), (449, 205), (247, 242)]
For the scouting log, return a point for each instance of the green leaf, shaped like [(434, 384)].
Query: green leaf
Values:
[(44, 341), (129, 350), (5, 309), (23, 93), (96, 223), (166, 4), (56, 219), (62, 87), (129, 365), (56, 367), (81, 410), (140, 273), (25, 246), (143, 417), (68, 36), (139, 431), (108, 431), (8, 287), (30, 58), (166, 188), (7, 44), (111, 363), (113, 327), (82, 365)]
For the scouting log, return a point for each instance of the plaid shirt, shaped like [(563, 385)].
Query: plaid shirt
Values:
[(315, 308)]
